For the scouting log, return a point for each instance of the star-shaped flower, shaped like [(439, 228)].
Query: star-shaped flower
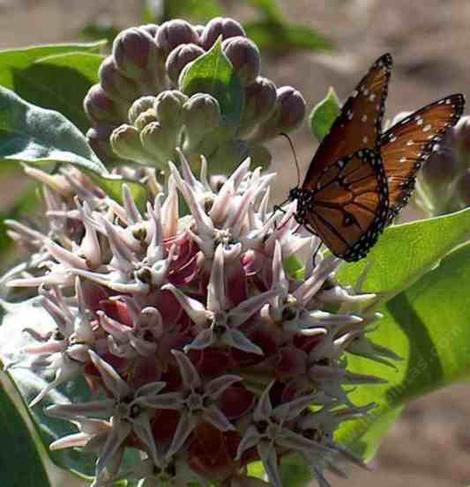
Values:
[(219, 322), (128, 412), (195, 401), (270, 432)]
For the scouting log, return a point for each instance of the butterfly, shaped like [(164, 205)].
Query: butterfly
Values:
[(359, 178)]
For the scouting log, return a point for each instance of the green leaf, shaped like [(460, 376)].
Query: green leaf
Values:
[(324, 114), (213, 73), (282, 37), (20, 461), (428, 326), (405, 252), (59, 86), (36, 135), (60, 82)]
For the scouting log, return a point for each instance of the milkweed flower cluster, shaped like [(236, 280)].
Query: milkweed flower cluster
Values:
[(208, 340), (140, 111)]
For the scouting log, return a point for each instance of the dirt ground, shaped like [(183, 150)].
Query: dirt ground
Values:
[(430, 41)]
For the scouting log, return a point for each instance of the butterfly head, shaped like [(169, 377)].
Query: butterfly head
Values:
[(295, 193)]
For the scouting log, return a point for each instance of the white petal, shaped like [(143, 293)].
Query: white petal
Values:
[(188, 372), (216, 288)]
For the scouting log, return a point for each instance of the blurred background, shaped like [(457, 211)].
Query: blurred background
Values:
[(429, 40)]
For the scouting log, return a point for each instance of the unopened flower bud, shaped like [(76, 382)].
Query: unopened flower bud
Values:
[(260, 100), (141, 105), (158, 140), (125, 141), (169, 107), (99, 107), (287, 115), (145, 118), (114, 83), (151, 29), (441, 168), (201, 115), (291, 105), (180, 57), (173, 33), (135, 52), (199, 29), (220, 26), (244, 56)]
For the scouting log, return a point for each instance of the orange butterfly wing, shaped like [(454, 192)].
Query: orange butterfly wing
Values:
[(359, 124), (349, 206), (406, 145)]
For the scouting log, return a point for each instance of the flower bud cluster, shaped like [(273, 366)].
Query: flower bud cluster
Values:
[(139, 107), (443, 184), (205, 338)]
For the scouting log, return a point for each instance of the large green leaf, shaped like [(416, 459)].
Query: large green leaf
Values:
[(324, 114), (213, 73), (405, 252), (32, 134), (20, 460), (60, 82), (282, 36), (12, 340), (57, 84), (428, 325)]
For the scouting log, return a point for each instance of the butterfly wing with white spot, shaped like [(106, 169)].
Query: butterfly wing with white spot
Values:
[(359, 124), (406, 145)]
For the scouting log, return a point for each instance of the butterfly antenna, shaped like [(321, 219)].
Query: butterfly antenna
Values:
[(295, 156)]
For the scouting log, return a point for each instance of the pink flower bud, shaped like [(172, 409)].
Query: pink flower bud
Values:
[(220, 26), (175, 32), (114, 83), (180, 57), (99, 107), (135, 52), (291, 105), (260, 100), (244, 56), (151, 29)]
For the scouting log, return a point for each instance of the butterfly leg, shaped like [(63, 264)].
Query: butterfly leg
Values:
[(277, 208)]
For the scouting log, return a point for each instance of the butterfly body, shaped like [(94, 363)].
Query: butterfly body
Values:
[(360, 178), (358, 184)]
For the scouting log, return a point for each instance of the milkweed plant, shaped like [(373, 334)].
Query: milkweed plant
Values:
[(165, 325)]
